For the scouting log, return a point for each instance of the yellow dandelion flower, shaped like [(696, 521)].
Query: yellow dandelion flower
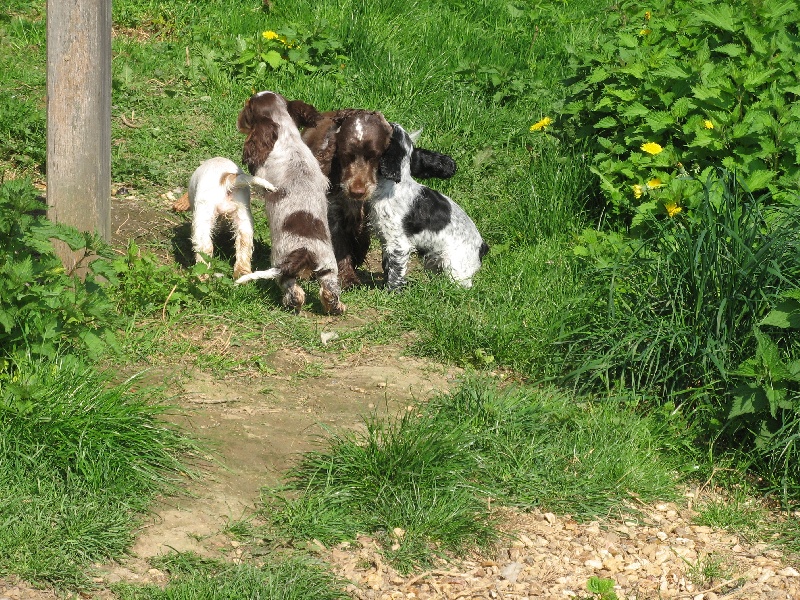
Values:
[(647, 15), (672, 209), (540, 125), (655, 182), (644, 31), (638, 191), (270, 35), (708, 124), (651, 148)]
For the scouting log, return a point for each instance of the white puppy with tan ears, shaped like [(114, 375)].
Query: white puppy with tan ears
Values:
[(219, 188)]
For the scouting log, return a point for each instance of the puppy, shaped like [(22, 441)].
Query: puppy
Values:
[(408, 216), (300, 237), (349, 143), (219, 188)]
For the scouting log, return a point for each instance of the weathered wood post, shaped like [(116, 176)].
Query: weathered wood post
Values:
[(79, 117)]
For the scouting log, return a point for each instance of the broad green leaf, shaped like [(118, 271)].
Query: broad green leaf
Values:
[(748, 399), (775, 9), (680, 108), (636, 69), (598, 75), (637, 109), (273, 59), (720, 16), (756, 38), (605, 123), (671, 71), (625, 95), (703, 92), (754, 78), (758, 180), (6, 320), (628, 41), (732, 50), (785, 315), (659, 120)]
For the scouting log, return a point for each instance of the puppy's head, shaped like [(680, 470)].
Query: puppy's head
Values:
[(302, 113), (423, 163), (361, 139), (398, 152), (259, 120)]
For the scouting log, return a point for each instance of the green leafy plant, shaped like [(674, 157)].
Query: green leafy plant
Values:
[(146, 285), (674, 88), (44, 310), (766, 403), (679, 307), (291, 50), (601, 588)]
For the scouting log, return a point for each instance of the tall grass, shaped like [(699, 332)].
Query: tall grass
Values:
[(78, 461), (677, 316), (281, 578)]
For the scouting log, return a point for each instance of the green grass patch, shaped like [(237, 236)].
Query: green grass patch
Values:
[(79, 459), (422, 484), (196, 578)]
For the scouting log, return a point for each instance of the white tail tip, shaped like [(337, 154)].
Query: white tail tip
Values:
[(264, 184), (272, 273)]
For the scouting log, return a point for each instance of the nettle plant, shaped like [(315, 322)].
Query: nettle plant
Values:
[(683, 87), (291, 50)]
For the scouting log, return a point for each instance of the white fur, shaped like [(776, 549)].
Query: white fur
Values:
[(301, 189), (408, 216), (219, 188)]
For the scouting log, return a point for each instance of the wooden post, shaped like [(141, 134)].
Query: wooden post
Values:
[(79, 117)]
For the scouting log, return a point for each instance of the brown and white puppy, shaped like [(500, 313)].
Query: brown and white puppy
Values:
[(300, 237), (349, 144), (219, 189)]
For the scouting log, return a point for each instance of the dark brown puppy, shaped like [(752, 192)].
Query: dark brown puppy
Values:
[(349, 144)]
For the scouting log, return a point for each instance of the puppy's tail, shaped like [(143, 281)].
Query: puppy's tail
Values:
[(181, 204), (298, 264), (243, 180), (272, 273)]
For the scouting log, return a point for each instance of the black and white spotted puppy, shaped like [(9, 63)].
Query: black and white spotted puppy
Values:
[(407, 216)]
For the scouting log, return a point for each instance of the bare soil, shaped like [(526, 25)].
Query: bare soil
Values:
[(258, 423)]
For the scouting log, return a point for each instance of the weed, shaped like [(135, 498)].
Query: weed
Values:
[(43, 310), (291, 50), (679, 310), (673, 88), (709, 570), (601, 589)]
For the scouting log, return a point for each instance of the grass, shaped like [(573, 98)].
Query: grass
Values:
[(78, 461), (198, 578), (423, 484), (474, 76)]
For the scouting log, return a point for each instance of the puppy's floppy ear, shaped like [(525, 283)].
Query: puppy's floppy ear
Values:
[(259, 143), (322, 140), (303, 114), (392, 158), (427, 163), (244, 121)]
